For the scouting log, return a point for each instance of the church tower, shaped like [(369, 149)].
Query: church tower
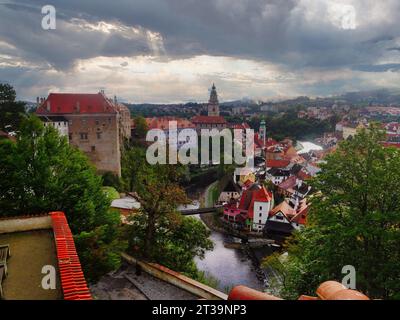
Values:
[(213, 104)]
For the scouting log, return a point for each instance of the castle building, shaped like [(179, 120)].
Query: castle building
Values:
[(95, 124)]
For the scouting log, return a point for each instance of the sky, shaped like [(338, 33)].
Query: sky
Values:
[(168, 51)]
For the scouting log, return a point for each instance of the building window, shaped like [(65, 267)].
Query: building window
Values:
[(260, 208), (97, 122), (93, 148), (98, 135), (83, 135), (279, 217), (260, 214)]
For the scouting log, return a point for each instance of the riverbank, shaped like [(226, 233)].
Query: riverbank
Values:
[(207, 200), (250, 258)]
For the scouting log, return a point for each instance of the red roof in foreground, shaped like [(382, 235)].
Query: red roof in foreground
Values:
[(209, 119), (329, 290), (60, 103), (72, 279)]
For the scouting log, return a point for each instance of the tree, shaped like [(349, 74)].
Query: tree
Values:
[(41, 172), (158, 232), (141, 127), (354, 220), (11, 111), (133, 162)]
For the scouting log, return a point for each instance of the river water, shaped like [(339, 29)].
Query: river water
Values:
[(231, 267)]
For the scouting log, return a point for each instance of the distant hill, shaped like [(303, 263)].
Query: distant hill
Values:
[(382, 96), (358, 98), (371, 97)]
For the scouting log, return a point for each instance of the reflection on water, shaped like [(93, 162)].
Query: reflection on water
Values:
[(230, 266)]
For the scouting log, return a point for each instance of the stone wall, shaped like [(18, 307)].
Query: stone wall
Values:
[(20, 224), (97, 135)]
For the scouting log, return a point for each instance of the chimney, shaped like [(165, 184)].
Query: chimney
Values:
[(48, 106), (115, 99), (37, 100)]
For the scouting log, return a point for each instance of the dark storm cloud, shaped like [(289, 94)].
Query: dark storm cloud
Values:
[(379, 67), (274, 30), (294, 35), (20, 26)]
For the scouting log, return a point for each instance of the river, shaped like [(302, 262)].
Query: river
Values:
[(231, 267)]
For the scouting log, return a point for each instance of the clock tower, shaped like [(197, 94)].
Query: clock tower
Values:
[(213, 104)]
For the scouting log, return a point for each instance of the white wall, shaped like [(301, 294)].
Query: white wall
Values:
[(261, 212)]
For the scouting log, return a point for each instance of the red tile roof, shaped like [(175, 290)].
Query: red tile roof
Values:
[(72, 279), (298, 215), (285, 209), (162, 123), (271, 163), (302, 175), (255, 193), (208, 119), (61, 103), (241, 126), (288, 183), (329, 290)]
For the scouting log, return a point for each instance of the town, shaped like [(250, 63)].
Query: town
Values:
[(207, 151), (255, 208)]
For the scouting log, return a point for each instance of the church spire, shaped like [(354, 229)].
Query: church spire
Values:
[(213, 104)]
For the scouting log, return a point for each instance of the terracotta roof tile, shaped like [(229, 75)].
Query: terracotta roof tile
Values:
[(72, 279), (271, 163), (61, 103), (209, 119)]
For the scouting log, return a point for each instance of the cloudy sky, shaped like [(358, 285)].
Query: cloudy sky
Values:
[(172, 50)]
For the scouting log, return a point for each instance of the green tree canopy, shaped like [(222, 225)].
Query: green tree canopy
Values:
[(354, 220), (41, 172), (158, 232), (11, 111), (140, 127)]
